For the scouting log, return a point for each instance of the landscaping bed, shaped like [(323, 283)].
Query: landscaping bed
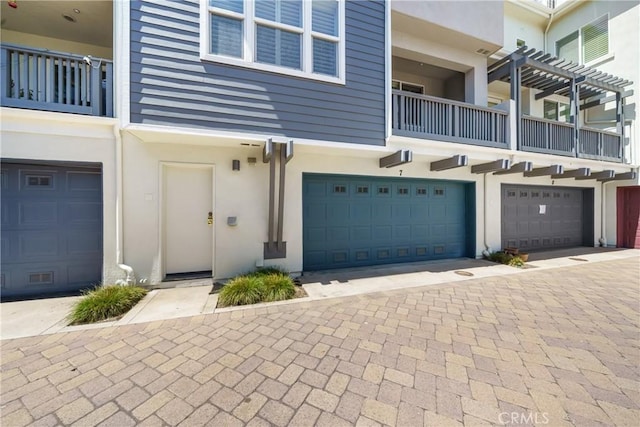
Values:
[(264, 285), (105, 303)]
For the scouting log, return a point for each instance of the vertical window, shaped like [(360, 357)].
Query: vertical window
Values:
[(299, 37), (558, 111), (587, 44)]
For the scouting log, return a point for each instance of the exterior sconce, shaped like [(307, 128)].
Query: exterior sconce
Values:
[(235, 165)]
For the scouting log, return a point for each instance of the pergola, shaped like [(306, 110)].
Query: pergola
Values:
[(550, 75)]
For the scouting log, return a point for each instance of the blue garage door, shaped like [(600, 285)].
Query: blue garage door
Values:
[(354, 221), (51, 228)]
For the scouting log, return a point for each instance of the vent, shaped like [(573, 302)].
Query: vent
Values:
[(421, 251), (438, 250), (45, 278), (339, 256), (383, 253), (38, 181), (362, 255), (339, 189), (403, 252), (483, 52)]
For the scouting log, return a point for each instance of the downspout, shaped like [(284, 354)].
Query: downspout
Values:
[(487, 249), (119, 196), (603, 234), (546, 30)]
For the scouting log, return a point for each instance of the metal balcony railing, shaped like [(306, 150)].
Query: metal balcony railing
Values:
[(551, 137), (40, 79), (428, 117)]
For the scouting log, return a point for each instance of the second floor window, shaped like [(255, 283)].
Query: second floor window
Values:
[(586, 44), (557, 111), (297, 37)]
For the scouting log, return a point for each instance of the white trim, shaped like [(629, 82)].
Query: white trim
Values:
[(388, 72), (122, 62), (248, 52), (597, 61)]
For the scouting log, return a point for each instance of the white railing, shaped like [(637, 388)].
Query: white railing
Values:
[(429, 117), (40, 79)]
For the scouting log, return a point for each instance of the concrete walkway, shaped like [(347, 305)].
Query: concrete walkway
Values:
[(546, 346), (48, 316)]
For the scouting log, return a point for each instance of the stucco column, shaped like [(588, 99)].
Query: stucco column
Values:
[(475, 85)]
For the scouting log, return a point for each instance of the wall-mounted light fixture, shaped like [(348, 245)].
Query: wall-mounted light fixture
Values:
[(235, 165)]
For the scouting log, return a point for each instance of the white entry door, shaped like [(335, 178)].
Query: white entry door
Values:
[(188, 218)]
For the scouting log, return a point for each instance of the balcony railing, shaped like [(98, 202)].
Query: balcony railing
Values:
[(551, 137), (40, 79), (428, 117)]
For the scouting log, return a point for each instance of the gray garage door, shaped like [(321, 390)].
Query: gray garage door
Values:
[(546, 217), (353, 221), (51, 228)]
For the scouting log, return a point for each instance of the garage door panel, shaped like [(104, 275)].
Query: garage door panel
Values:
[(338, 212), (316, 212), (391, 220), (51, 227), (35, 244), (79, 213), (382, 232), (84, 181), (38, 213), (338, 234), (544, 217)]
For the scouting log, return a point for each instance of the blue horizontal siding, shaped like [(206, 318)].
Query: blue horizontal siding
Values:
[(171, 86)]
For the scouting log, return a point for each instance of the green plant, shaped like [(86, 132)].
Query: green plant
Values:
[(265, 271), (105, 302), (499, 257), (242, 290), (278, 287), (515, 261)]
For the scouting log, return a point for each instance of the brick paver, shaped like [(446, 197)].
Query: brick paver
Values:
[(555, 347)]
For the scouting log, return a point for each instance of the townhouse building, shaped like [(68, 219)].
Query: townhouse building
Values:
[(199, 140)]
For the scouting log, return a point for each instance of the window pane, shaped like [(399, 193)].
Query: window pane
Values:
[(567, 48), (325, 16), (232, 5), (550, 110), (278, 47), (226, 36), (564, 113), (284, 11), (595, 40), (325, 57)]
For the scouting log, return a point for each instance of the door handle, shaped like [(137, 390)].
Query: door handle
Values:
[(210, 219)]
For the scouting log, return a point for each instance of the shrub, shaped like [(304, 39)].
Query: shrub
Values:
[(516, 261), (105, 302), (242, 290), (278, 287), (266, 271)]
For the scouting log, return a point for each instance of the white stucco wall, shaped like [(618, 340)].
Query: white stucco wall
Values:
[(56, 137), (244, 194)]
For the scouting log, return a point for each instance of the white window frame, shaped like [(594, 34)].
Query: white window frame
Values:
[(402, 83), (250, 21), (580, 30)]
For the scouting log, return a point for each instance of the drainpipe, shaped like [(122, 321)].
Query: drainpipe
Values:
[(119, 195), (487, 249), (603, 234), (546, 30)]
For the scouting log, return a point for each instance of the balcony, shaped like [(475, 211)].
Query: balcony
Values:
[(428, 117), (548, 136), (40, 79)]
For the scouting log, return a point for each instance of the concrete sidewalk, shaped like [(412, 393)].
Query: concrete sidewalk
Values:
[(48, 316)]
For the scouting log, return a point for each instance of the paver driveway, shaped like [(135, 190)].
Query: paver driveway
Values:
[(556, 347)]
